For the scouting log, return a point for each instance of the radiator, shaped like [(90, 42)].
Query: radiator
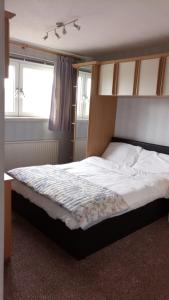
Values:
[(27, 153), (79, 149)]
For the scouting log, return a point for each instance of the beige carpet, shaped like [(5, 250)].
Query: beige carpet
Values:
[(136, 267)]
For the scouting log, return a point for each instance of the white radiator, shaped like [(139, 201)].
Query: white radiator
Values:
[(27, 153)]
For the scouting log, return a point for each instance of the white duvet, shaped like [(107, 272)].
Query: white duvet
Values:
[(137, 186)]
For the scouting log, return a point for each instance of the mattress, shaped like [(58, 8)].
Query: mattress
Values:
[(136, 187)]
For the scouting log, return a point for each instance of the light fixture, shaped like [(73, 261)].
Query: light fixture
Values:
[(61, 25), (64, 30), (45, 36), (57, 35), (76, 26)]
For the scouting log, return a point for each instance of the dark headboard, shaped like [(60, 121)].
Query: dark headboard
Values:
[(147, 146)]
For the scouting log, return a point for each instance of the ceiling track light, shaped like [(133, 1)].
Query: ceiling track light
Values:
[(64, 30), (57, 35), (76, 26), (45, 36), (61, 25)]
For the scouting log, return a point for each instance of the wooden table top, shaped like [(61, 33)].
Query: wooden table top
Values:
[(7, 177)]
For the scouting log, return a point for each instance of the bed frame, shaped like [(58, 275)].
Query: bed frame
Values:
[(81, 243)]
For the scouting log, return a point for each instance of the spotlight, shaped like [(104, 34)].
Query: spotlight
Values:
[(64, 30), (57, 35), (59, 24), (62, 27), (46, 36), (76, 26)]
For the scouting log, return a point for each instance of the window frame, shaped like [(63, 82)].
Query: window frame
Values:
[(15, 113), (85, 75), (18, 102)]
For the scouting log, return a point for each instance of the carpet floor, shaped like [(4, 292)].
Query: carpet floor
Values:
[(134, 268)]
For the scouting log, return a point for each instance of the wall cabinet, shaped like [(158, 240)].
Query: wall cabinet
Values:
[(131, 78), (148, 77), (106, 79), (165, 91), (138, 76), (126, 78)]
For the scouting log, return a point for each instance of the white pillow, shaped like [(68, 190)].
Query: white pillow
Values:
[(152, 162), (122, 153)]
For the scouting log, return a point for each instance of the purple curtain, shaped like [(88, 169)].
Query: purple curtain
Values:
[(63, 94)]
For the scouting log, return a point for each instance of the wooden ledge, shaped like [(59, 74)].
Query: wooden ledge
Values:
[(9, 15)]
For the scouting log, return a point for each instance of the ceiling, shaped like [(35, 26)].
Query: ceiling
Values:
[(106, 25)]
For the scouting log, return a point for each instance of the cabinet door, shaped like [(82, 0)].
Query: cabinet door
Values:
[(106, 79), (126, 78), (148, 77), (166, 79)]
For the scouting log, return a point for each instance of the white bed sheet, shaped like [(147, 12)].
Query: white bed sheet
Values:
[(137, 188)]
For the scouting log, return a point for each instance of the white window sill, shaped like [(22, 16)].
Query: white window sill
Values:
[(83, 119), (25, 118)]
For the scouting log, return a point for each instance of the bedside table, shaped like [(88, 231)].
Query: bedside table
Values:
[(7, 217)]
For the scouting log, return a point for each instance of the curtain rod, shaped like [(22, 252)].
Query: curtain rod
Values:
[(24, 46), (31, 58)]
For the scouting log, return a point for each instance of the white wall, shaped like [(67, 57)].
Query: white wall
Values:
[(143, 119), (1, 147), (80, 144), (24, 129)]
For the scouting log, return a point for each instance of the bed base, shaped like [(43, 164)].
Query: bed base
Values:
[(81, 243)]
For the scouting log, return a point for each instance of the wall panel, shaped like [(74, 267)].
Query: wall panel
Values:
[(143, 119)]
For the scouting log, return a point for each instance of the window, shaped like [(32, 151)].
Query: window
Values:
[(28, 89), (83, 95)]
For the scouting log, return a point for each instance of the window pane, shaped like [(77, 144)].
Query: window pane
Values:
[(10, 91), (87, 98), (83, 95), (37, 89), (80, 97)]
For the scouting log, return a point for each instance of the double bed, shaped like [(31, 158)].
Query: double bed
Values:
[(101, 199)]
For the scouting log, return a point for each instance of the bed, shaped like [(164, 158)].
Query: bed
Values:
[(85, 239)]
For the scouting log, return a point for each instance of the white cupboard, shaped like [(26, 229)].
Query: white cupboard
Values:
[(147, 83), (106, 79), (148, 77), (166, 79), (126, 78)]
